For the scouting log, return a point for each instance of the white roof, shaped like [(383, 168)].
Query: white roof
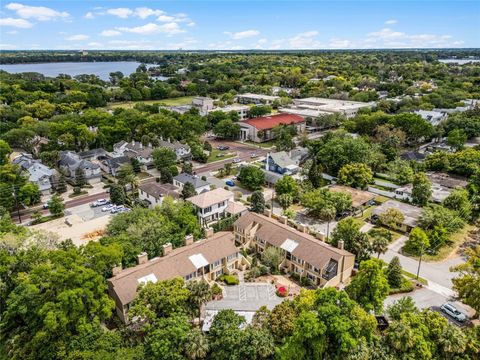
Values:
[(198, 260), (147, 278), (289, 245)]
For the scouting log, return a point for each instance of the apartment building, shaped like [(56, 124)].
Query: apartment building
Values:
[(257, 99), (304, 254), (201, 260)]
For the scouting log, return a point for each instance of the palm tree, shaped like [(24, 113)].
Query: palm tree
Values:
[(200, 293), (328, 213), (380, 240), (196, 345)]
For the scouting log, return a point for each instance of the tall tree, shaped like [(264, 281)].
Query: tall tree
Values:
[(56, 205), (467, 283), (257, 202), (380, 238), (80, 180), (117, 194), (394, 273), (355, 241), (355, 175), (188, 190), (369, 287), (421, 190), (251, 177)]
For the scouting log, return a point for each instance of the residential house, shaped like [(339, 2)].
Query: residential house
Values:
[(201, 260), (200, 185), (112, 165), (360, 198), (260, 129), (182, 151), (281, 163), (154, 192), (69, 163), (211, 205), (38, 173), (413, 156), (303, 254), (432, 116), (257, 99), (135, 149), (94, 154), (411, 214), (442, 185)]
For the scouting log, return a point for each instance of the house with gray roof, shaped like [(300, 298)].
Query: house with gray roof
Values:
[(38, 173), (135, 149), (69, 163), (281, 163), (200, 185), (112, 165)]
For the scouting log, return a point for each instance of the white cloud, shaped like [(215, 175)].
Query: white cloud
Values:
[(89, 15), (122, 13), (95, 45), (13, 32), (78, 37), (340, 44), (305, 40), (7, 46), (191, 23), (391, 22), (243, 34), (151, 28), (39, 13), (110, 33), (144, 12), (18, 23), (165, 18)]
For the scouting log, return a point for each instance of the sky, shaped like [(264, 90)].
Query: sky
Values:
[(238, 25)]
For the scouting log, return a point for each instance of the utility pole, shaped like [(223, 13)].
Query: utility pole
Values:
[(419, 262), (14, 193)]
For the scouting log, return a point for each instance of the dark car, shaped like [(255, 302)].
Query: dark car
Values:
[(223, 147)]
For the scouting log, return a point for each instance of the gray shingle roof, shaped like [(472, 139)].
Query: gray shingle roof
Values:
[(195, 180)]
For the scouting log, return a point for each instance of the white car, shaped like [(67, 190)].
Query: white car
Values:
[(237, 160), (108, 208), (99, 202), (451, 310), (253, 155), (118, 209)]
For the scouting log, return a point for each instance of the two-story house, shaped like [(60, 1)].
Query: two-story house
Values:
[(38, 173), (281, 163), (153, 192), (211, 205), (135, 149), (199, 185), (303, 254), (182, 151), (69, 163), (201, 260)]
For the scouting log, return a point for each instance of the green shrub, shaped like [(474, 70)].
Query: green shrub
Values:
[(229, 279), (407, 286), (216, 290)]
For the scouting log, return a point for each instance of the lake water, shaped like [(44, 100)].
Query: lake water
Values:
[(101, 69), (459, 61)]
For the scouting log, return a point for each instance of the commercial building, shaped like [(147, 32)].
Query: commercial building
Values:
[(241, 110), (314, 107), (257, 99), (201, 260), (303, 254), (261, 129)]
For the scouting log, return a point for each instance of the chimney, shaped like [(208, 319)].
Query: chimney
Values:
[(320, 236), (267, 212), (303, 228), (133, 142), (141, 145), (283, 219), (116, 270), (188, 240), (167, 248), (208, 233), (150, 145), (142, 258), (341, 244), (266, 161)]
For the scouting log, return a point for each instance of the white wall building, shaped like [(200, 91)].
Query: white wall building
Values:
[(328, 106), (211, 205), (258, 99)]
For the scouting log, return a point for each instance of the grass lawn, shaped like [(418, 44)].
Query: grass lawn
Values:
[(184, 100), (143, 175), (265, 145), (385, 181), (457, 239), (381, 199), (414, 277), (213, 155), (79, 194)]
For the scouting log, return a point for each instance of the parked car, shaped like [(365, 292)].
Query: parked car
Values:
[(45, 206), (237, 160), (452, 311), (108, 207), (253, 155), (223, 147), (220, 155), (230, 183), (100, 202), (118, 209)]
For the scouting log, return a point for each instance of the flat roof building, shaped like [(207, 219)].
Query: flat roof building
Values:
[(258, 99), (329, 106)]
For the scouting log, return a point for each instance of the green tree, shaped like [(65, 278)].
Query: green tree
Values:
[(226, 129), (196, 345), (417, 241), (29, 194), (394, 273), (355, 175), (188, 190), (257, 202), (467, 283), (404, 305), (400, 171), (355, 241), (437, 216), (167, 339), (272, 257), (5, 152), (117, 194), (287, 185), (315, 174), (164, 158), (421, 190), (136, 166), (457, 139), (251, 177), (61, 185), (225, 335), (285, 200), (320, 201), (56, 205), (200, 293), (392, 218), (379, 241), (459, 201), (80, 180), (187, 168), (283, 135), (166, 175), (369, 287)]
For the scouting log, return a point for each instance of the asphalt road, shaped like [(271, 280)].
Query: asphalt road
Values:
[(26, 215), (243, 151)]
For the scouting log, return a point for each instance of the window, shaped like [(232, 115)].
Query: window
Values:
[(231, 257), (207, 210), (216, 264), (221, 204), (190, 276)]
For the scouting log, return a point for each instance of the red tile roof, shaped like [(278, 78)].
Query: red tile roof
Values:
[(269, 122)]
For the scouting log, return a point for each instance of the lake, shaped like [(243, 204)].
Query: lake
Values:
[(459, 61), (101, 69)]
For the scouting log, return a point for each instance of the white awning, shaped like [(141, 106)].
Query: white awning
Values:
[(289, 245), (147, 278), (198, 260)]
